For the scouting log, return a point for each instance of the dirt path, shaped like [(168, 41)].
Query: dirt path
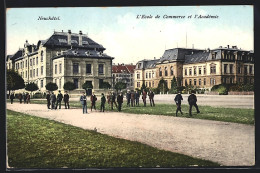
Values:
[(229, 144)]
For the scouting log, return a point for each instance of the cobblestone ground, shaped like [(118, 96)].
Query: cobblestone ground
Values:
[(229, 144)]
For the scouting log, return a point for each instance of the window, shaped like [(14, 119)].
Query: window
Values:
[(88, 68), (60, 83), (37, 60), (146, 84), (60, 68), (204, 81), (195, 70), (231, 80), (138, 84), (225, 68), (190, 71), (37, 72), (149, 84), (231, 68), (190, 82), (30, 73), (185, 72), (75, 68), (239, 70), (138, 76), (213, 69), (100, 68), (250, 69), (33, 61), (212, 81), (199, 70), (55, 69), (149, 75), (33, 72), (26, 63), (30, 62), (41, 70), (214, 55), (41, 56), (160, 71), (171, 71), (224, 80), (146, 75), (199, 81), (76, 81), (166, 71), (195, 82), (41, 83), (26, 74), (245, 69), (204, 70), (186, 83), (153, 84)]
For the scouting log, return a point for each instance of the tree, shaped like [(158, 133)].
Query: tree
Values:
[(174, 85), (162, 86), (105, 85), (87, 86), (69, 86), (120, 86), (143, 87), (51, 86), (31, 87), (14, 81)]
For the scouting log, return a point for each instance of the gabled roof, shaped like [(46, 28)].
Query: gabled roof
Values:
[(17, 55), (121, 68), (130, 68), (8, 57), (144, 64)]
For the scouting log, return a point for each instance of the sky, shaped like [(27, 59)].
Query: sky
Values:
[(130, 38)]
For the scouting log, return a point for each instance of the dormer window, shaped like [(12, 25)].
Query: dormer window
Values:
[(85, 42), (87, 53)]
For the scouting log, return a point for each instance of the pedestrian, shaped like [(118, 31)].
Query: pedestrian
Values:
[(120, 101), (59, 99), (178, 98), (93, 100), (12, 98), (132, 99), (48, 97), (192, 99), (66, 100), (113, 100), (151, 98), (20, 97), (109, 98), (28, 98), (24, 98), (128, 98), (83, 101), (103, 101), (144, 98), (53, 100), (137, 96)]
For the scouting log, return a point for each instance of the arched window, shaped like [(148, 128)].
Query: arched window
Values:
[(160, 71), (171, 70), (166, 71)]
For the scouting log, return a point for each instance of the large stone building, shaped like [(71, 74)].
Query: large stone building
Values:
[(63, 57), (200, 68), (123, 73)]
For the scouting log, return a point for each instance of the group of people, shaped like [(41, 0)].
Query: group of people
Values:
[(23, 98), (53, 102), (192, 100)]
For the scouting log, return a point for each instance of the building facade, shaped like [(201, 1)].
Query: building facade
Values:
[(63, 57), (200, 68), (123, 73)]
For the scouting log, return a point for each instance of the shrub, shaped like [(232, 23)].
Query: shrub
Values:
[(222, 90), (38, 95)]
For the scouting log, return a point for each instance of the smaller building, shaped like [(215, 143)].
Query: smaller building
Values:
[(123, 73)]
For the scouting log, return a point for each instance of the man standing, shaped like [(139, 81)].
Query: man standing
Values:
[(120, 101), (128, 97), (59, 99), (93, 100), (66, 100), (53, 100), (109, 98), (132, 99), (151, 96), (103, 101), (113, 100), (48, 97), (144, 98), (12, 98), (192, 99), (83, 101), (137, 96), (178, 98), (20, 97), (28, 98)]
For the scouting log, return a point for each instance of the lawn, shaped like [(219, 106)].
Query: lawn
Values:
[(236, 115), (34, 142)]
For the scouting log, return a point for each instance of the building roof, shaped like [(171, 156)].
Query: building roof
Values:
[(17, 54), (121, 68), (146, 64), (197, 57)]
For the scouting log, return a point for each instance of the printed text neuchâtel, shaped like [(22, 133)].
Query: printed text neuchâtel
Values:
[(49, 18)]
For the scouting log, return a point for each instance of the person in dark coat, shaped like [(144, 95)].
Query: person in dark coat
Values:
[(48, 97), (192, 99), (103, 101), (24, 98), (53, 100), (128, 98), (144, 97), (113, 100), (137, 96), (132, 99), (151, 98), (93, 100), (59, 99), (178, 98), (66, 100), (109, 99), (120, 101), (83, 101), (28, 98), (12, 98), (20, 97)]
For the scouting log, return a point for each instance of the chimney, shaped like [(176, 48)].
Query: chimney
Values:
[(154, 58), (33, 48), (69, 37), (80, 38), (228, 46)]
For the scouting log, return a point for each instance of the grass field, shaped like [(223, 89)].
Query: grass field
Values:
[(40, 143), (236, 115)]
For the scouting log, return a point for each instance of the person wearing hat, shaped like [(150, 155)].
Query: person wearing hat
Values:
[(151, 98), (12, 98), (59, 99), (120, 101), (144, 97), (48, 98), (66, 100), (128, 97), (53, 100), (113, 99), (178, 98), (192, 99), (103, 101), (93, 100), (83, 101)]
